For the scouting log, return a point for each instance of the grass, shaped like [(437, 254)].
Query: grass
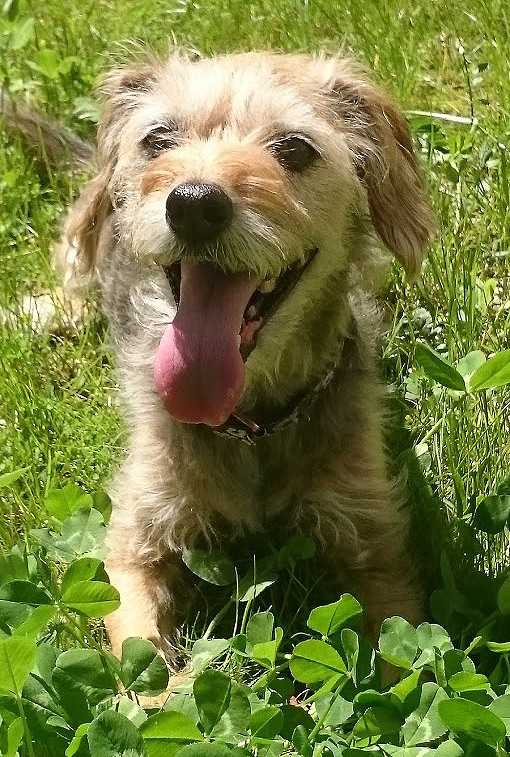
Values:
[(57, 404)]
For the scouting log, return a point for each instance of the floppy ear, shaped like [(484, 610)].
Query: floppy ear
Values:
[(386, 164), (119, 92), (84, 226)]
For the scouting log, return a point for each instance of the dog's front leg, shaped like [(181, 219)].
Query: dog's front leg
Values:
[(364, 536), (386, 584), (146, 605), (382, 575)]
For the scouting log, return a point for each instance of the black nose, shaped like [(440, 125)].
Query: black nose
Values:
[(198, 212)]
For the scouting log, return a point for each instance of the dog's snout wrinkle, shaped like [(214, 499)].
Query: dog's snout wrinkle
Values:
[(198, 212)]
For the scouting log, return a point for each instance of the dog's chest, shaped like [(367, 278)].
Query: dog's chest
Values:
[(248, 487)]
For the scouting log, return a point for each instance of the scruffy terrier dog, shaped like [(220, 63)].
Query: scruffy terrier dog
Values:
[(235, 227)]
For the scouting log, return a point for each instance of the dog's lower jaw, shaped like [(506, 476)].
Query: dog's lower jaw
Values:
[(285, 362), (269, 420)]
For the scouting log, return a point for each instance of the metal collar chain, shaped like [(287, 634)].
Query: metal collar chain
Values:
[(249, 432)]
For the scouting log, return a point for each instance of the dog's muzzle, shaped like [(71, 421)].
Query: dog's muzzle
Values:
[(198, 212)]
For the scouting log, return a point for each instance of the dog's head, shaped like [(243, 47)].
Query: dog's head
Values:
[(254, 181)]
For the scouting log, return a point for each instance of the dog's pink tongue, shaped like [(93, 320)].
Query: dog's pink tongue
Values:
[(199, 371)]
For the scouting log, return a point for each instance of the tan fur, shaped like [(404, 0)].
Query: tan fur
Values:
[(250, 175), (183, 485)]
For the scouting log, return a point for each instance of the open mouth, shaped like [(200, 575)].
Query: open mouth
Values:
[(265, 300), (199, 368)]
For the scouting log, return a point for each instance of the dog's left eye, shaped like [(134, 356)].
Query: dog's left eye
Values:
[(158, 140), (294, 153)]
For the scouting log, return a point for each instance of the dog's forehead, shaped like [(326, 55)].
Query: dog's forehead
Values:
[(241, 93)]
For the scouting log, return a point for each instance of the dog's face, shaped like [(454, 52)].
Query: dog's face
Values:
[(253, 181), (226, 161)]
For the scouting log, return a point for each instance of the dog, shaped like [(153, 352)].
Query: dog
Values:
[(237, 225)]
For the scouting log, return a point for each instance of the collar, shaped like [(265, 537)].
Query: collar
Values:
[(248, 431)]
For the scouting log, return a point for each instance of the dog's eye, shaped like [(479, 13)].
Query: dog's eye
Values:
[(158, 140), (294, 153)]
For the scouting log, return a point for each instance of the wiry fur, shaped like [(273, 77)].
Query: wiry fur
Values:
[(181, 485)]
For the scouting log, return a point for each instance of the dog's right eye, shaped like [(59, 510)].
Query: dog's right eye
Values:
[(158, 140)]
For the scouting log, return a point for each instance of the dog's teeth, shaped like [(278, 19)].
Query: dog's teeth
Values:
[(251, 312), (239, 340), (267, 286)]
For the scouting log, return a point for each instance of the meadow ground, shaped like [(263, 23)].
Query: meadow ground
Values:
[(58, 409)]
